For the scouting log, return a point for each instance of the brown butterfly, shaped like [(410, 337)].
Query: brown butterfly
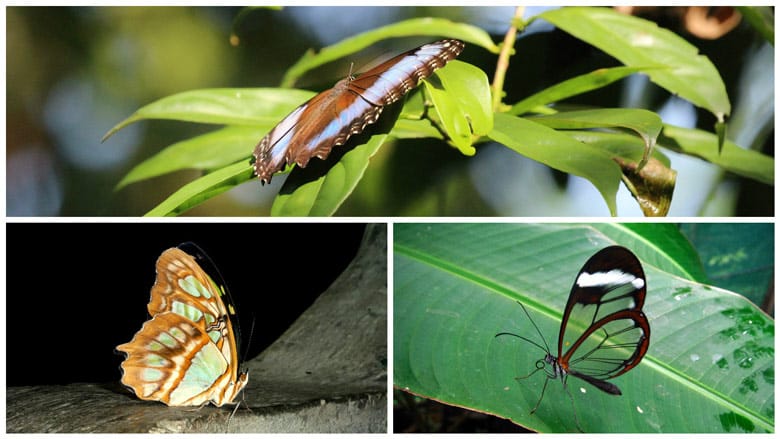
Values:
[(329, 118)]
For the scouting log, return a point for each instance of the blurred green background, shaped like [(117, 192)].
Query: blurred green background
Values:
[(73, 73)]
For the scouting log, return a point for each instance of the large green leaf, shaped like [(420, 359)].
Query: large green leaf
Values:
[(200, 190), (561, 152), (637, 42), (709, 368), (575, 86), (737, 256), (732, 158), (618, 144), (645, 123), (661, 245), (406, 28), (693, 142), (228, 106), (206, 152)]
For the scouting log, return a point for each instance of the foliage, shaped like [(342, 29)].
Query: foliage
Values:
[(603, 145), (456, 287)]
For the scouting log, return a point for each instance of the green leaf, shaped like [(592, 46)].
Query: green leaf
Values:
[(660, 245), (322, 196), (619, 144), (469, 85), (206, 152), (702, 144), (645, 123), (407, 28), (228, 106), (576, 86), (762, 18), (739, 257), (462, 103), (453, 120), (560, 152), (638, 42), (200, 190), (414, 129), (456, 287)]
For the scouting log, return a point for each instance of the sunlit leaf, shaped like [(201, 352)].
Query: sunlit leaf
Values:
[(645, 123), (200, 190), (575, 86), (438, 27), (703, 144), (638, 42), (228, 106), (207, 152), (561, 152)]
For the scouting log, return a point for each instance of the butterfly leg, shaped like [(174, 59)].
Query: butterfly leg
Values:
[(232, 413), (540, 396), (573, 407)]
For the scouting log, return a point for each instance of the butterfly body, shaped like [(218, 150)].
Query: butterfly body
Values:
[(186, 354), (331, 117)]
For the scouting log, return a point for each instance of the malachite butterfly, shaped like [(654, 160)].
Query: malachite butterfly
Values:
[(186, 354)]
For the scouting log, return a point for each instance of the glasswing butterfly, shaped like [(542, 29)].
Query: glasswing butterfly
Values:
[(604, 332)]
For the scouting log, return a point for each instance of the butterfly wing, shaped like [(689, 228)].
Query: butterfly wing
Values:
[(331, 117), (186, 354), (389, 81), (604, 332), (313, 129)]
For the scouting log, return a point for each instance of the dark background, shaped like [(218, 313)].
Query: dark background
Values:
[(77, 290)]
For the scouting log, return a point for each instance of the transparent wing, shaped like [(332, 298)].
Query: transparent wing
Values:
[(604, 332)]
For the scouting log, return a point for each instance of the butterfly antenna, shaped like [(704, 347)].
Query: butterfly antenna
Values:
[(245, 354), (522, 338), (545, 348)]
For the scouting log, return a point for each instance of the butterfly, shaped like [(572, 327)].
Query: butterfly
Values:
[(331, 117), (604, 332), (186, 354)]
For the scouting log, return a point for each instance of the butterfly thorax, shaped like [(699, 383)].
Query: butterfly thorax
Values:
[(555, 369)]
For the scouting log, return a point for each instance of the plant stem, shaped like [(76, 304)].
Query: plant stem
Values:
[(503, 58)]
